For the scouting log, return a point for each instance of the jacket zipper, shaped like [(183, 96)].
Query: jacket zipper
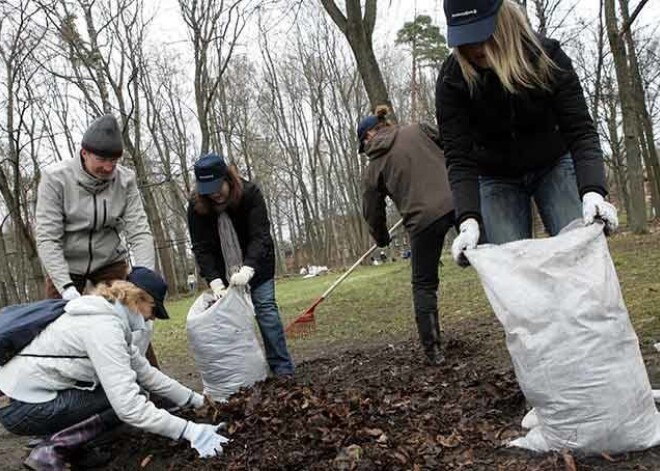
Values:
[(105, 212), (91, 235)]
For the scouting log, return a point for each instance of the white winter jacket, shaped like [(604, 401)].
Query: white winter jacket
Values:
[(100, 333), (79, 220)]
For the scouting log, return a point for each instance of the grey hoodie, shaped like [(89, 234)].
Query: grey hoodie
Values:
[(79, 220)]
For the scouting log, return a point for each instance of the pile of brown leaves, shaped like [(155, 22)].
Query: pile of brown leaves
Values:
[(379, 409)]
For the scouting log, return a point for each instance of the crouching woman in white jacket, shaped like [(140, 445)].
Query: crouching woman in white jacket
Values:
[(82, 376)]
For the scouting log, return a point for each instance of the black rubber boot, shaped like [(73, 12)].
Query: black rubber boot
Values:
[(428, 327)]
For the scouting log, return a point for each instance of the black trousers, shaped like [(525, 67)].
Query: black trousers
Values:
[(426, 247)]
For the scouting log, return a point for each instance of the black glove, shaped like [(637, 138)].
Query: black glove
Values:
[(383, 240)]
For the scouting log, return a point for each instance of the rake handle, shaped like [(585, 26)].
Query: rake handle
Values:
[(355, 265)]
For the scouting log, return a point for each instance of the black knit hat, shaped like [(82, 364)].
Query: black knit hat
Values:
[(103, 138)]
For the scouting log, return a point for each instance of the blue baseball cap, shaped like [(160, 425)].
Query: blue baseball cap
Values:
[(365, 125), (151, 282), (210, 172), (470, 21)]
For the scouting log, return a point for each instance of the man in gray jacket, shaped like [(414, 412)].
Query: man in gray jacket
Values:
[(84, 205)]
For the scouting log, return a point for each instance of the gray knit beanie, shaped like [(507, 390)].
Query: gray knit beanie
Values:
[(103, 137)]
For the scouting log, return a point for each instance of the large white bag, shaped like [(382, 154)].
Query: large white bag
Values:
[(574, 350), (224, 344)]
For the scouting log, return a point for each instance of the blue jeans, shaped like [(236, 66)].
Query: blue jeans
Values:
[(70, 407), (270, 325), (506, 203)]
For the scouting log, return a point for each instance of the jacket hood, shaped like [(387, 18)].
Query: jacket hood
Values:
[(97, 306), (90, 306), (381, 143)]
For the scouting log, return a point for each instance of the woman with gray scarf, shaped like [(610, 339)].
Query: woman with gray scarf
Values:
[(230, 233)]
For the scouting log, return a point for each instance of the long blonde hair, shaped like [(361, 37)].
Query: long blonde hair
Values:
[(507, 54), (124, 292)]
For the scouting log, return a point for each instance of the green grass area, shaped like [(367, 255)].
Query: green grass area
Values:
[(375, 305)]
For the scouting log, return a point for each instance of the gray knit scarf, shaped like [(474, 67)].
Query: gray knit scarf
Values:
[(231, 248)]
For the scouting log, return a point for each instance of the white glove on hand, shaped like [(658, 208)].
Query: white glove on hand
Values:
[(205, 439), (242, 277), (218, 288), (593, 206), (196, 401), (70, 293), (467, 238)]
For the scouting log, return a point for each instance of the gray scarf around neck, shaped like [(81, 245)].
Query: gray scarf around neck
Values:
[(231, 248)]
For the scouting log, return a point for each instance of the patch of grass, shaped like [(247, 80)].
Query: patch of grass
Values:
[(375, 303)]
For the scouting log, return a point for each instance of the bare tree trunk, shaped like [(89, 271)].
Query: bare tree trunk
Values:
[(618, 166), (163, 248), (8, 285), (359, 30), (637, 216), (645, 125)]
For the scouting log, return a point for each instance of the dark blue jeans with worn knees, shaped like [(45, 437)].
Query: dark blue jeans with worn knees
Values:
[(272, 332), (506, 203), (70, 407)]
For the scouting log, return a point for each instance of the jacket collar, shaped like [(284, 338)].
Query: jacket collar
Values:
[(381, 143), (90, 183)]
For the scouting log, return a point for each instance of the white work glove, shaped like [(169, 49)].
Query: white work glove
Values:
[(593, 206), (218, 288), (196, 400), (242, 277), (70, 293), (468, 238), (205, 438)]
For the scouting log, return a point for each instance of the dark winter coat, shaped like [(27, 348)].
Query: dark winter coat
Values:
[(496, 133), (252, 226), (406, 164)]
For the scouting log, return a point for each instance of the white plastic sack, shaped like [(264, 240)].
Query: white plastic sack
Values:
[(314, 270), (574, 350), (224, 344)]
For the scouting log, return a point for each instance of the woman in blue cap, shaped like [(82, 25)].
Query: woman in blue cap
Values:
[(81, 377), (230, 233), (515, 127)]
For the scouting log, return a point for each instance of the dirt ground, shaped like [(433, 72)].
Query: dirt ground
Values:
[(378, 408), (370, 408)]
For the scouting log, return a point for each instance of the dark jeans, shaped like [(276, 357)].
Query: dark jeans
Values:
[(506, 203), (426, 248), (70, 407), (270, 325)]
